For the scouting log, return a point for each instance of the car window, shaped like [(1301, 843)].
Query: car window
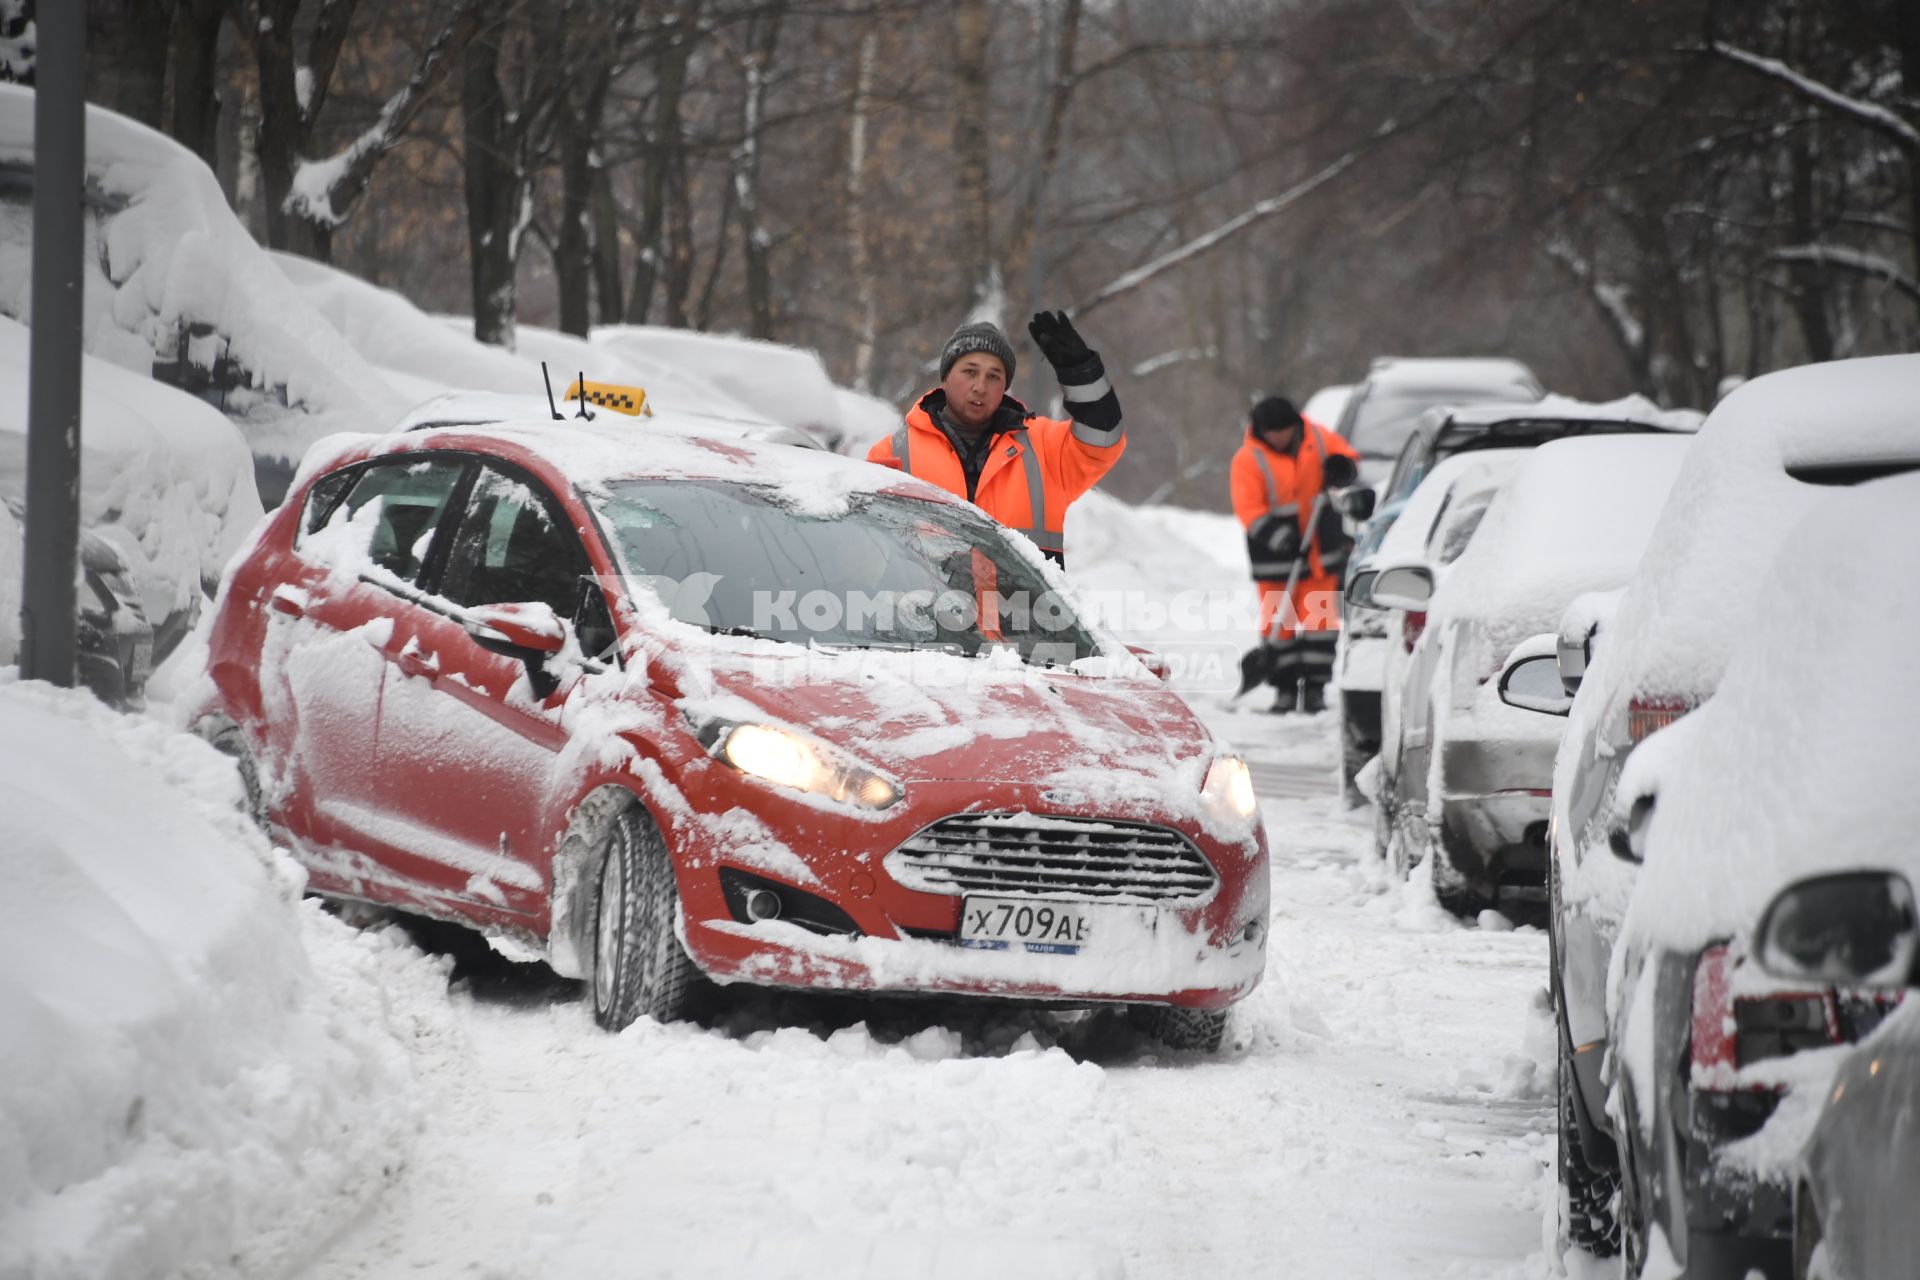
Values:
[(514, 546), (1459, 530), (1408, 470), (388, 517), (889, 572)]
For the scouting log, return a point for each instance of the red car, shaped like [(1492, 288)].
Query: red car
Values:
[(661, 706)]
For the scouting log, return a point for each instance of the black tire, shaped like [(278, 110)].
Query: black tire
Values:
[(1452, 890), (1383, 820), (1354, 754), (1188, 1030), (639, 965), (1631, 1213), (1590, 1192), (229, 741)]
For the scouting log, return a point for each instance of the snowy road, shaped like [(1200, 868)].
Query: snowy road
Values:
[(1381, 1111), (1382, 1107)]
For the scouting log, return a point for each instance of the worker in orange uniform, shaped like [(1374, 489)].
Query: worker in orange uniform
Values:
[(977, 442), (1284, 463)]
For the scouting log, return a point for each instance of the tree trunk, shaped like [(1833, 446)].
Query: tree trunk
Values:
[(127, 44), (676, 275), (606, 249), (573, 251), (196, 76), (970, 145), (746, 177), (1809, 278), (665, 141), (281, 125), (864, 289), (491, 188)]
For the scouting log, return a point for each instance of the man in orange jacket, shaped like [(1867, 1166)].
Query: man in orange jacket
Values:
[(1282, 465), (974, 440)]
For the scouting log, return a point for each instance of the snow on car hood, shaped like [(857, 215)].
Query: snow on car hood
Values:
[(1132, 745)]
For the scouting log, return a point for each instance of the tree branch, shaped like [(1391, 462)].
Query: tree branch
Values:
[(1845, 259), (1870, 114)]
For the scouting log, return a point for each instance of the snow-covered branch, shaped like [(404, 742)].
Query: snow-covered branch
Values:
[(1871, 114), (1866, 264), (1154, 364), (17, 41), (317, 183), (1225, 231)]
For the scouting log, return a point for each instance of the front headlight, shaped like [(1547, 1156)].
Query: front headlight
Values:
[(788, 759), (1229, 790)]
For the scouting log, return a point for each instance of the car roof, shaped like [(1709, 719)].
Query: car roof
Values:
[(592, 454), (1471, 374), (1628, 411), (478, 408)]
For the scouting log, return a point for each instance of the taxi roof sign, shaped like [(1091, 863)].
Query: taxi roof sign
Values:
[(631, 401)]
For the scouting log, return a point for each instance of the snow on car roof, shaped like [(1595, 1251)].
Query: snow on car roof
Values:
[(1731, 507), (1558, 408), (1801, 762), (1407, 539), (1574, 517), (782, 384), (1473, 373)]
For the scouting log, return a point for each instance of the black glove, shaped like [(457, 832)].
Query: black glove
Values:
[(1339, 471), (1058, 340), (1277, 536)]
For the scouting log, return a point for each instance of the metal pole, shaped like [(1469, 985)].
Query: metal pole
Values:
[(53, 390)]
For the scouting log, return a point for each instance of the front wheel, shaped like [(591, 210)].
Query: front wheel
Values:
[(639, 964), (1590, 1222)]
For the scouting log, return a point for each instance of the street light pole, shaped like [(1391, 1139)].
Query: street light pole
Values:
[(48, 646)]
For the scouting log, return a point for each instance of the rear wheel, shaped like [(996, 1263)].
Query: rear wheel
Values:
[(1589, 1222), (1189, 1030), (1355, 751), (227, 739), (639, 965)]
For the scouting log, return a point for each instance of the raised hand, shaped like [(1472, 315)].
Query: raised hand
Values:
[(1058, 340)]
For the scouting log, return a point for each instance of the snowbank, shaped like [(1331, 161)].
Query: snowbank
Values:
[(200, 1074), (164, 477), (169, 256), (781, 384)]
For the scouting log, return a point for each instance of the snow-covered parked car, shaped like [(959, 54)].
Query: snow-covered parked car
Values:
[(177, 289), (475, 408), (166, 497), (1853, 1182), (1799, 765), (1466, 776), (1438, 434), (1384, 406), (727, 709), (1765, 456)]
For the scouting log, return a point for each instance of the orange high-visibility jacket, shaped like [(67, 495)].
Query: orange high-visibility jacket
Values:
[(1057, 459), (1265, 481)]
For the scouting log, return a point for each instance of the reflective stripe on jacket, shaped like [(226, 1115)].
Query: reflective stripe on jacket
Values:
[(1056, 458)]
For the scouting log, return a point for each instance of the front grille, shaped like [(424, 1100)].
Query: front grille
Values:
[(1042, 856)]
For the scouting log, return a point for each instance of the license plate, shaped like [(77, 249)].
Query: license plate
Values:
[(1046, 926)]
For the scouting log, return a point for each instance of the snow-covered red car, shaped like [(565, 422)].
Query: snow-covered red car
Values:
[(660, 706)]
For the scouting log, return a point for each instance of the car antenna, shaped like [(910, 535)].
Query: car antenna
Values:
[(548, 379), (584, 413)]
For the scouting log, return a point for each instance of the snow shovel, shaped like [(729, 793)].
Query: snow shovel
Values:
[(1256, 665)]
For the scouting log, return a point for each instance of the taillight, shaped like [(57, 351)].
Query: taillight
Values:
[(1647, 716), (1729, 1033), (1412, 623)]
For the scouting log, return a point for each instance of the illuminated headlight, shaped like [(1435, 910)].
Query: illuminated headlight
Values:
[(787, 759), (1229, 790)]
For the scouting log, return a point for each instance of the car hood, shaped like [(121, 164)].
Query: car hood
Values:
[(955, 719)]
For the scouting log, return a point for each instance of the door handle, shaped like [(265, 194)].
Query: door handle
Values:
[(289, 600), (414, 660)]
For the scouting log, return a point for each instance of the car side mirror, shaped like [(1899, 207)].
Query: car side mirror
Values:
[(1627, 837), (1407, 587), (529, 631), (1360, 589), (1531, 678), (1852, 928), (1151, 661), (1358, 504)]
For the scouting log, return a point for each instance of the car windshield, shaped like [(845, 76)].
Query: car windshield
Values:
[(889, 572), (1385, 420)]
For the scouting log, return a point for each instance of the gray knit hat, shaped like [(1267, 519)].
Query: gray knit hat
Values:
[(977, 336)]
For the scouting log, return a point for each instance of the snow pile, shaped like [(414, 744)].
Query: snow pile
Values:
[(164, 478), (173, 256), (200, 1074)]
